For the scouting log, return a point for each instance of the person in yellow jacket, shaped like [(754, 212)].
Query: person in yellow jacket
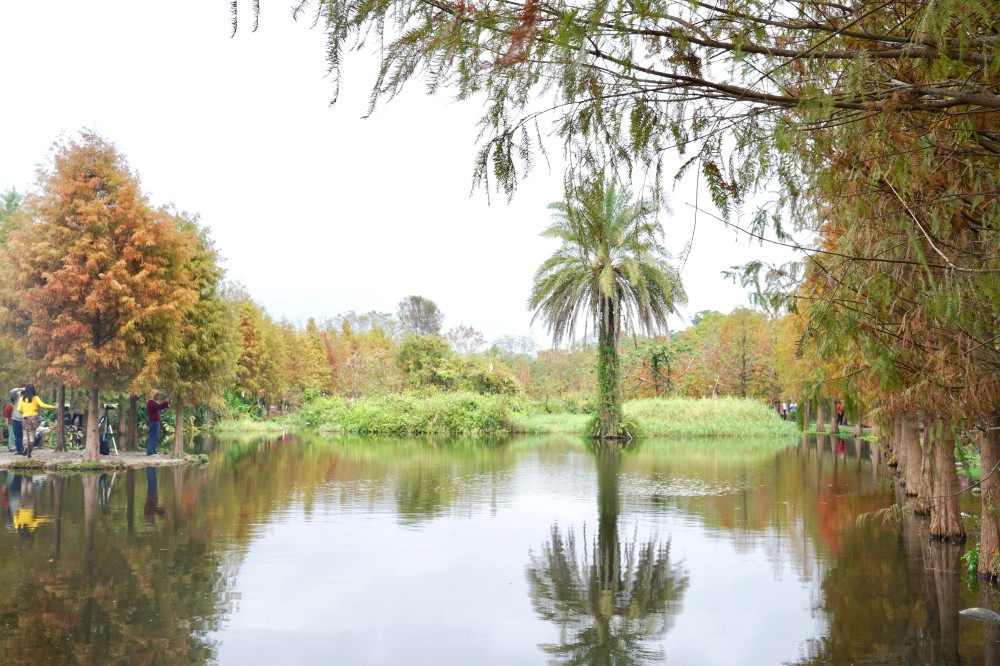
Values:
[(29, 406)]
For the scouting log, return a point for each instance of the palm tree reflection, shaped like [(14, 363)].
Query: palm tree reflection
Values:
[(611, 600)]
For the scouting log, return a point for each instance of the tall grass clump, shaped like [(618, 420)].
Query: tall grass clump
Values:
[(445, 413), (706, 417)]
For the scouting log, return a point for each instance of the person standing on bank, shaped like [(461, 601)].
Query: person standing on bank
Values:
[(16, 420), (153, 409), (8, 412), (30, 405), (8, 417)]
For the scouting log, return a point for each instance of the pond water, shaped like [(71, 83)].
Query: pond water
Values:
[(529, 551)]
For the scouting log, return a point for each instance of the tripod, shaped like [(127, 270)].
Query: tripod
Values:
[(105, 428)]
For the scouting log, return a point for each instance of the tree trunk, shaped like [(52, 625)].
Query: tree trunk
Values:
[(898, 450), (92, 449), (834, 421), (820, 417), (946, 518), (989, 545), (178, 451), (61, 418), (914, 458), (121, 416), (609, 399), (132, 440), (922, 504), (859, 429)]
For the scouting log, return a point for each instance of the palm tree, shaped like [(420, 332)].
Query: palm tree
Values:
[(612, 272)]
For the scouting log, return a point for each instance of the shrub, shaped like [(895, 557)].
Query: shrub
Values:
[(444, 413)]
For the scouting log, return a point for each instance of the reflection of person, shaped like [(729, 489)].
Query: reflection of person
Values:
[(29, 406), (17, 421), (26, 520), (153, 409), (150, 511)]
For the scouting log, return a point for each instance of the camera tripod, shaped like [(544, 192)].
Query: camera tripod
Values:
[(105, 428)]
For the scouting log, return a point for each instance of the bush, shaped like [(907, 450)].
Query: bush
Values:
[(579, 403), (235, 407), (445, 413)]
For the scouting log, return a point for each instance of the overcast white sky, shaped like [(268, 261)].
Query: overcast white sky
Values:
[(315, 210)]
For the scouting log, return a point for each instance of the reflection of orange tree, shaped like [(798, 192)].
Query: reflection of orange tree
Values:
[(112, 587), (88, 591), (612, 600), (891, 598)]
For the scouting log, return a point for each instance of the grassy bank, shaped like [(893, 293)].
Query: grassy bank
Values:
[(709, 417), (446, 413), (471, 414)]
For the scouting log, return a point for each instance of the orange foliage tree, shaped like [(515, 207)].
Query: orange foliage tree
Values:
[(97, 274)]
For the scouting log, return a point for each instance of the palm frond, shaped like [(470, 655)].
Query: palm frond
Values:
[(610, 249)]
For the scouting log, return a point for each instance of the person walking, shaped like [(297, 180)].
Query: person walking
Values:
[(153, 409), (840, 413), (30, 405)]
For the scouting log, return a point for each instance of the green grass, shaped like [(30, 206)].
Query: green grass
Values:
[(446, 413), (714, 417), (471, 414)]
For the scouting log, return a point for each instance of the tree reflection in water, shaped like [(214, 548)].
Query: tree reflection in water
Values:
[(611, 600)]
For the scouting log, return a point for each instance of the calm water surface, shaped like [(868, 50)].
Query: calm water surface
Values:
[(531, 551)]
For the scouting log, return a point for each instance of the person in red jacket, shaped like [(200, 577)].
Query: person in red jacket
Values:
[(153, 408)]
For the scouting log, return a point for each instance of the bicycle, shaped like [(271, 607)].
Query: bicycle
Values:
[(74, 436), (106, 430), (74, 429)]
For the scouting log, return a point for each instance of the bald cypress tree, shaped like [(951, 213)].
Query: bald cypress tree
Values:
[(98, 275), (201, 360)]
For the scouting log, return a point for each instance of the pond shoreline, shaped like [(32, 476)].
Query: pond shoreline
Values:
[(68, 461)]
